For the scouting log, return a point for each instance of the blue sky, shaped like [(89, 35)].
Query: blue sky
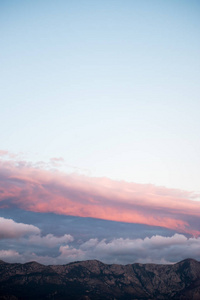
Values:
[(110, 86)]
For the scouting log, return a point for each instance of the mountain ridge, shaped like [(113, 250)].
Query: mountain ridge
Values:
[(92, 279)]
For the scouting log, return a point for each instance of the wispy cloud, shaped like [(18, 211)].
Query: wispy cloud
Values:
[(25, 186), (8, 154)]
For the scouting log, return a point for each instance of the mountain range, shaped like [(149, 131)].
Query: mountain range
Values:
[(94, 280)]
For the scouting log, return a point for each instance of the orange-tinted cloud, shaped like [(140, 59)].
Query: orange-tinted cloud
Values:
[(40, 190)]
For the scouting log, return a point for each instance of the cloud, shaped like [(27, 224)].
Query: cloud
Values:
[(28, 244), (13, 256), (40, 190), (57, 159), (31, 234), (11, 229), (50, 240), (157, 249), (4, 153), (28, 238), (8, 154), (69, 254), (9, 255)]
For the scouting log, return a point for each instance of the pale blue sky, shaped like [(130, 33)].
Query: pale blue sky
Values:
[(110, 86)]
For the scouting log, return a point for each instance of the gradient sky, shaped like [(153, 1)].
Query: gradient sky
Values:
[(110, 86), (99, 130)]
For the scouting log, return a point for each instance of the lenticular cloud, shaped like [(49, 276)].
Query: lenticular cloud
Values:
[(40, 190)]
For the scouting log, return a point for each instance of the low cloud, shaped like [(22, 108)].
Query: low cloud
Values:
[(157, 249), (11, 229), (27, 235), (10, 255), (40, 190), (50, 240)]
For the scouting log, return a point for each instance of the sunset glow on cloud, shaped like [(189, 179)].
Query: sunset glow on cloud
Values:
[(40, 190)]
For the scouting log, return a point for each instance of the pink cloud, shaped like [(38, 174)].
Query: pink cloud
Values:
[(7, 154), (41, 190), (57, 159), (3, 152)]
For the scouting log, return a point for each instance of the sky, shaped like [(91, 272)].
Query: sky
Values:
[(99, 130)]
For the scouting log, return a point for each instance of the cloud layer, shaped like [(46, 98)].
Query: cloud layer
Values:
[(31, 188), (157, 249), (51, 249)]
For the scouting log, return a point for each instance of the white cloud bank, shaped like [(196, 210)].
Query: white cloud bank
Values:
[(157, 249)]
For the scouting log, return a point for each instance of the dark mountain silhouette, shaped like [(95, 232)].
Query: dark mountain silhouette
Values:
[(95, 280)]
